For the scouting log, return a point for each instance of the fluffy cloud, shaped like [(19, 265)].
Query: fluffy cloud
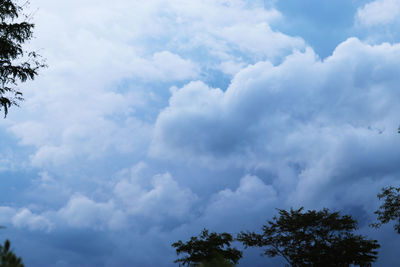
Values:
[(266, 106), (379, 12), (165, 198), (246, 205), (83, 212), (167, 66), (310, 123), (135, 81), (110, 70), (24, 218), (157, 200)]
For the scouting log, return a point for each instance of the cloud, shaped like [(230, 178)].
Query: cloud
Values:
[(168, 66), (266, 106), (110, 70), (137, 81), (250, 190), (252, 38), (379, 12), (245, 205), (134, 199), (5, 214), (164, 199), (24, 218), (82, 212), (312, 128)]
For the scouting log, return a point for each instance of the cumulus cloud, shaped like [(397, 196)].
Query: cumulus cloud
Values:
[(251, 199), (165, 198), (379, 12), (133, 199), (83, 212), (110, 70), (267, 103), (24, 218), (250, 190), (135, 82), (168, 66), (310, 123)]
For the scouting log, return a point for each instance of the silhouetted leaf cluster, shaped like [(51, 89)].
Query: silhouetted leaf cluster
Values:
[(207, 250), (313, 238), (16, 65), (8, 258), (390, 209)]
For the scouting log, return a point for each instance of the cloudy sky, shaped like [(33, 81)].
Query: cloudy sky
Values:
[(159, 118)]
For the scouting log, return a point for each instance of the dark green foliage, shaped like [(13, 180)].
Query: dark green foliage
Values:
[(209, 249), (16, 65), (8, 258), (217, 261), (390, 209), (313, 238)]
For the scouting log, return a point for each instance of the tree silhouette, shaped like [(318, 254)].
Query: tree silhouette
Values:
[(8, 258), (16, 64), (390, 209), (209, 249), (313, 238)]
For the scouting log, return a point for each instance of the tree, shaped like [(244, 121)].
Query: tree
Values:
[(217, 261), (16, 64), (390, 209), (209, 249), (8, 258), (313, 238)]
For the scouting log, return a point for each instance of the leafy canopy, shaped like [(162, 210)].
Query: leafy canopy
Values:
[(390, 209), (209, 249), (313, 238), (16, 64), (8, 258)]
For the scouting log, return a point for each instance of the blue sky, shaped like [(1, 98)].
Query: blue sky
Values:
[(159, 118)]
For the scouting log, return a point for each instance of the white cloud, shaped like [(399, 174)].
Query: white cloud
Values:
[(266, 105), (132, 200), (312, 125), (31, 133), (379, 12), (24, 218), (296, 128), (110, 68), (168, 66), (252, 38), (231, 67), (164, 199), (252, 196), (83, 212)]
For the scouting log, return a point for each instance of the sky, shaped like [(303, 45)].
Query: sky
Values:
[(158, 118)]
